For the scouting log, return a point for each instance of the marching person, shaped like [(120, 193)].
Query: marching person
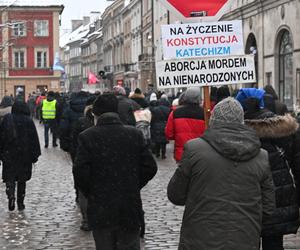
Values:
[(19, 149), (276, 135), (224, 181), (111, 167), (186, 122), (48, 113)]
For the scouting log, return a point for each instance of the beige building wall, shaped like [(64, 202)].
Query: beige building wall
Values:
[(267, 22)]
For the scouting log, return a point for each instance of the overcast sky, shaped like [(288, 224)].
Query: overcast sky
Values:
[(76, 9)]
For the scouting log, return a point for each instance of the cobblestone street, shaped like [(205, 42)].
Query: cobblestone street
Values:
[(51, 219)]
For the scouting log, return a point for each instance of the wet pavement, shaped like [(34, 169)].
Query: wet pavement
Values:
[(51, 219)]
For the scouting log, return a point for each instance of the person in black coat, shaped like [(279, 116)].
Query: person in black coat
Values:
[(160, 114), (295, 159), (126, 106), (19, 149), (139, 98), (276, 136), (72, 112), (272, 101), (111, 167), (82, 124)]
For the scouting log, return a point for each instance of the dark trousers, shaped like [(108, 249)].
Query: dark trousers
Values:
[(10, 190), (116, 239), (160, 147), (50, 124), (272, 243), (83, 207)]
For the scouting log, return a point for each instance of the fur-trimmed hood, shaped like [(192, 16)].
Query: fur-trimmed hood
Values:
[(137, 96), (274, 127)]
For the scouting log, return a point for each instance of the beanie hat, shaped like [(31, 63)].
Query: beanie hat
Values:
[(222, 93), (164, 97), (105, 103), (247, 93), (118, 90), (51, 94), (192, 96), (227, 111), (153, 97)]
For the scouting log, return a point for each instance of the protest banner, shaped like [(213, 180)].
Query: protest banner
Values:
[(205, 72), (189, 40)]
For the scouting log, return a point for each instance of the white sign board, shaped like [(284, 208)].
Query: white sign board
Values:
[(205, 72), (181, 41)]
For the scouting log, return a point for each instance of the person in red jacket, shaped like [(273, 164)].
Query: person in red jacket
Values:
[(186, 122)]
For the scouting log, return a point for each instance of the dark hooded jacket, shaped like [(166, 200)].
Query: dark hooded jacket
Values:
[(19, 144), (272, 101), (295, 162), (276, 136), (160, 114), (225, 183), (80, 125), (126, 109), (112, 165), (73, 111), (5, 107), (139, 99)]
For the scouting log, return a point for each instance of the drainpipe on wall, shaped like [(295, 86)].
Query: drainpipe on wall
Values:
[(263, 41), (153, 46)]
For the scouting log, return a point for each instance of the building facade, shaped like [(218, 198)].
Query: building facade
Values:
[(30, 40), (271, 33)]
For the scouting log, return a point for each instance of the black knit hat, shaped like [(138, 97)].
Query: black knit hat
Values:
[(138, 91), (105, 103), (51, 93)]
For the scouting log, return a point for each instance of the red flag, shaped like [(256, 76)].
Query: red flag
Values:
[(92, 79)]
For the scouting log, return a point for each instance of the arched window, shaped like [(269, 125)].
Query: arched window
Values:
[(286, 69), (251, 48)]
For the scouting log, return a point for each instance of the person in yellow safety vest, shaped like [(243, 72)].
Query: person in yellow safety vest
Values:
[(48, 115)]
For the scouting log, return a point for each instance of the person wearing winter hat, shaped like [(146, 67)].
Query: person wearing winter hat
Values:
[(224, 181), (49, 108), (139, 98), (109, 156), (5, 106), (153, 97), (186, 122), (19, 149), (126, 107)]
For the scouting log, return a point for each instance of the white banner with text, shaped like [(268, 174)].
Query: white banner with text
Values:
[(181, 41), (205, 72)]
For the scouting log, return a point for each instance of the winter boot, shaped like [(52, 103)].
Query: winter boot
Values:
[(11, 204), (84, 226), (20, 203)]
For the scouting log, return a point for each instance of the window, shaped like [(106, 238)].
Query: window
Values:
[(19, 56), (286, 69), (41, 57), (41, 28), (269, 77), (19, 28)]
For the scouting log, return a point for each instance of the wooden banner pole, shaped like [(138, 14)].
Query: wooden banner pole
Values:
[(207, 105)]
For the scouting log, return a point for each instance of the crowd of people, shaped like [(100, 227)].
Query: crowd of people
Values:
[(238, 178)]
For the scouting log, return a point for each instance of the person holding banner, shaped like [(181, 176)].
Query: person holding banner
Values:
[(224, 181), (186, 122)]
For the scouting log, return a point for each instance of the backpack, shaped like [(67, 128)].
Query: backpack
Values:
[(144, 127)]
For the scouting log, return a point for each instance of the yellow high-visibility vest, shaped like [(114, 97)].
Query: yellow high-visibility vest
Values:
[(49, 110)]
